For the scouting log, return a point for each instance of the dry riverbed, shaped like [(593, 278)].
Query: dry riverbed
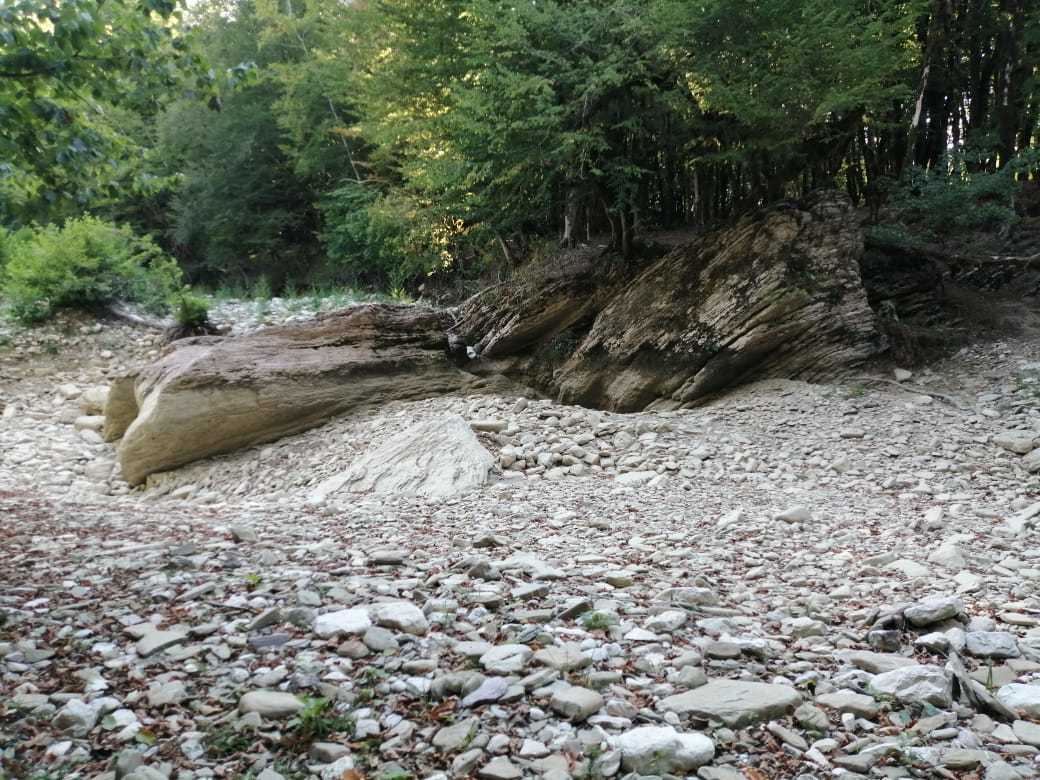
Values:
[(794, 581)]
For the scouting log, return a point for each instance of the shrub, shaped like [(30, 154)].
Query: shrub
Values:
[(190, 311), (86, 263), (956, 199), (375, 239), (10, 241), (894, 237)]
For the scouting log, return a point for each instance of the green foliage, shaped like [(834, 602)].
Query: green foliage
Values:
[(318, 720), (378, 143), (261, 289), (955, 198), (785, 77), (375, 239), (227, 741), (190, 311), (63, 68), (253, 580), (893, 237), (86, 263), (239, 208), (597, 621), (10, 244)]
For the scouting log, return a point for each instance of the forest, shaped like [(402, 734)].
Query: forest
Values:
[(281, 145)]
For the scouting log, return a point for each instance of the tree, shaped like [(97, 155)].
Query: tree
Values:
[(65, 69), (239, 210)]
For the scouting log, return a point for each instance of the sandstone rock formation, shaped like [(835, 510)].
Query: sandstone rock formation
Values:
[(777, 295), (211, 395), (436, 459)]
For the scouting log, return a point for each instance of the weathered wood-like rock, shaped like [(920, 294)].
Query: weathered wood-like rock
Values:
[(777, 295), (211, 395)]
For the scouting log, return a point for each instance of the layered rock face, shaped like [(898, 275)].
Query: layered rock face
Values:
[(212, 395), (777, 295)]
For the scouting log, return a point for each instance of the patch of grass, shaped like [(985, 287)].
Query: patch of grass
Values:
[(261, 289), (230, 292), (856, 391), (226, 741), (597, 621), (372, 675), (317, 720)]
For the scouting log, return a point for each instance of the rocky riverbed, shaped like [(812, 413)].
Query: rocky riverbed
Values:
[(794, 581)]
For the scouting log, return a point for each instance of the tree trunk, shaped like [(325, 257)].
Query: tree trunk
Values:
[(626, 236), (572, 218)]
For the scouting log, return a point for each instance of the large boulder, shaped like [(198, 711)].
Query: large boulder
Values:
[(779, 294), (211, 395), (436, 459)]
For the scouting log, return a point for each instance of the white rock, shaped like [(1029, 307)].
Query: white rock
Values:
[(635, 478), (342, 623), (934, 610), (658, 750), (270, 704), (1018, 442), (506, 659), (914, 685), (796, 514), (402, 615), (436, 459)]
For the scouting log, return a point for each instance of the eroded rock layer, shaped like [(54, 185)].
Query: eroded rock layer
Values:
[(777, 295), (212, 395)]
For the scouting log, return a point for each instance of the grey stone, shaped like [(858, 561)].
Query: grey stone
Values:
[(849, 701), (876, 663), (564, 658), (491, 690), (327, 752), (797, 514), (270, 704), (167, 694), (342, 622), (1020, 698), (499, 768), (576, 703), (1027, 732), (156, 641), (402, 615), (76, 718), (736, 703), (379, 639), (915, 685), (934, 610), (991, 644), (809, 716), (456, 737), (1018, 442), (506, 659)]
